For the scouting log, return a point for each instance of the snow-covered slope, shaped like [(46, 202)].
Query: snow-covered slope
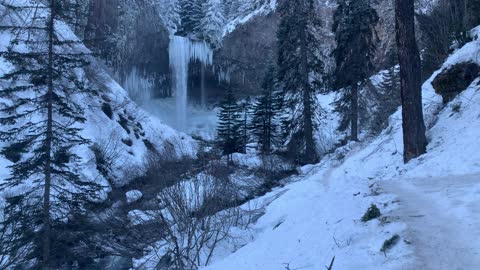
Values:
[(431, 202), (114, 122), (250, 11)]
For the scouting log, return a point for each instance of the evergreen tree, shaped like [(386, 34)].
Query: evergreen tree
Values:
[(229, 130), (299, 74), (212, 23), (354, 27), (473, 11), (191, 14), (388, 98), (266, 112), (245, 109), (232, 8), (41, 128), (171, 14)]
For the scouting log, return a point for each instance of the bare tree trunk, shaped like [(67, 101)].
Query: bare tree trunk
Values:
[(245, 128), (307, 99), (203, 93), (354, 113), (48, 144), (414, 139)]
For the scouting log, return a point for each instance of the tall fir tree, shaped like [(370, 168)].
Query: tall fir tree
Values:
[(388, 98), (246, 112), (171, 15), (232, 8), (473, 11), (212, 23), (300, 69), (191, 14), (265, 126), (41, 127), (229, 130), (354, 28)]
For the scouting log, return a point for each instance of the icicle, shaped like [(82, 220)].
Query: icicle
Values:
[(138, 87), (223, 74), (181, 51)]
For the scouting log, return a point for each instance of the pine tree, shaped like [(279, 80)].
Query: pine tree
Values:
[(229, 130), (191, 14), (211, 25), (171, 15), (473, 11), (232, 8), (388, 98), (265, 124), (299, 74), (41, 128), (246, 112), (354, 27)]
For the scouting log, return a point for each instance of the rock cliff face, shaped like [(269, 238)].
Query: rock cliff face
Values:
[(247, 52), (132, 39), (250, 47)]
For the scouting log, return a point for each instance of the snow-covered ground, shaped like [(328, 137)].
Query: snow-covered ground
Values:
[(431, 203), (242, 18), (442, 217)]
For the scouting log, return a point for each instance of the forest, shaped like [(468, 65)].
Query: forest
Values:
[(239, 134)]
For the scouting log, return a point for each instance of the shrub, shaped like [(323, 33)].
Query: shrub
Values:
[(390, 243), (149, 145), (107, 109), (124, 123), (127, 142), (372, 213), (456, 107), (107, 152)]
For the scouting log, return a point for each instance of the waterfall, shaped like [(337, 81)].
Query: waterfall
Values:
[(181, 52)]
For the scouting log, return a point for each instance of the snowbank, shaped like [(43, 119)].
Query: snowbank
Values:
[(308, 222)]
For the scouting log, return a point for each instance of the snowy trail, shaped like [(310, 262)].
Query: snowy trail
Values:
[(443, 220)]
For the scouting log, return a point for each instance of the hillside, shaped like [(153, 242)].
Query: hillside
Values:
[(114, 121), (239, 134), (318, 215)]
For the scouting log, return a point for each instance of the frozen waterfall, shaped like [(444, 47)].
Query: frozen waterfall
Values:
[(182, 51)]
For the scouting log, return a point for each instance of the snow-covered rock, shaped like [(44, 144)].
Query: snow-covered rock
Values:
[(133, 196), (137, 217)]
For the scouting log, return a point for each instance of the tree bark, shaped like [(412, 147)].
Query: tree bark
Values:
[(354, 113), (310, 154), (414, 139), (203, 93), (48, 144)]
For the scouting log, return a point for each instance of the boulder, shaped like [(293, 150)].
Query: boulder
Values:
[(454, 79), (133, 196)]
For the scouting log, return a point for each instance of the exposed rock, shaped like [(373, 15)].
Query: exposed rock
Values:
[(130, 39), (133, 41), (453, 80), (250, 47), (247, 52)]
